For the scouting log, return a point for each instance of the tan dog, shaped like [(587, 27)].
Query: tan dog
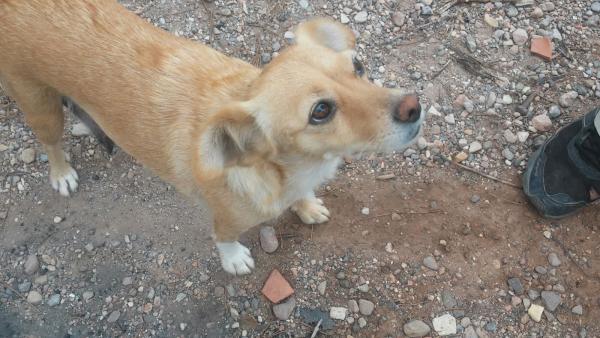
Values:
[(251, 142)]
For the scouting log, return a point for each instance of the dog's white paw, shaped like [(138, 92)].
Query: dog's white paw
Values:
[(235, 258), (311, 211), (64, 181)]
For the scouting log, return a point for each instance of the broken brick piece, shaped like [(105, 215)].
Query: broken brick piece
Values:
[(277, 287), (542, 47)]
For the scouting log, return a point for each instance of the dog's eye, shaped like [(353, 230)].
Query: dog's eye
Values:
[(322, 112), (359, 68)]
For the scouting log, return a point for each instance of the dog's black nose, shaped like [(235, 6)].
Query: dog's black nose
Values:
[(407, 110)]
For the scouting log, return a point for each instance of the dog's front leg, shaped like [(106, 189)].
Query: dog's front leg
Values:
[(235, 257), (311, 210)]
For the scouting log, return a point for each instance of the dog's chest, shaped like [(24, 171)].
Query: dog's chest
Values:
[(306, 177)]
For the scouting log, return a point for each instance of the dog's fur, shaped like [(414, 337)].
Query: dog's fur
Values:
[(211, 125)]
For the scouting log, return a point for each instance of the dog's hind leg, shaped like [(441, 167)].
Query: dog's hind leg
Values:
[(42, 106)]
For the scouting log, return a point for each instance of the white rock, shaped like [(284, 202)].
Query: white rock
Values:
[(289, 36), (80, 129), (450, 119), (365, 211), (491, 21), (338, 313), (28, 155), (322, 287), (507, 99), (344, 18), (541, 122), (433, 111), (535, 312), (87, 295), (522, 136), (361, 17), (520, 36), (445, 325), (509, 136), (568, 99), (475, 147)]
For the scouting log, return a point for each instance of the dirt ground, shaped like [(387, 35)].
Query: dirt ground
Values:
[(124, 223)]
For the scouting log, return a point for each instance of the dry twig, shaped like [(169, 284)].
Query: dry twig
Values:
[(567, 253), (487, 176), (316, 330), (474, 65)]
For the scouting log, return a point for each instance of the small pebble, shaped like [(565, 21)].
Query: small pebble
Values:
[(34, 297), (430, 263), (268, 239), (54, 300), (554, 260), (31, 264), (416, 328), (113, 317)]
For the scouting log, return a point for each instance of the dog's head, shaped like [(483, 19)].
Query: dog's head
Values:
[(315, 100)]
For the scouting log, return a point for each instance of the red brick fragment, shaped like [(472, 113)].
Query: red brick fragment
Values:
[(542, 47), (277, 287)]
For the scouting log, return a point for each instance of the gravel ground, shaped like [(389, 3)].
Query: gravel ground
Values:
[(417, 246)]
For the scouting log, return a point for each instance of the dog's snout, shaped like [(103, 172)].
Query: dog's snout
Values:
[(407, 110)]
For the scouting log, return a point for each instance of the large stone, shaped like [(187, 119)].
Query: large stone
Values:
[(541, 122), (366, 307), (416, 328), (284, 310), (551, 300)]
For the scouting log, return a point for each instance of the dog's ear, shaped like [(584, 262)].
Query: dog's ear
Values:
[(326, 32), (234, 138)]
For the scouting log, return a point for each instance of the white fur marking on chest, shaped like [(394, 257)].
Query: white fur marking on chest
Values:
[(305, 178)]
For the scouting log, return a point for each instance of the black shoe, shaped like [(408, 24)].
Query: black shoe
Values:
[(562, 173)]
